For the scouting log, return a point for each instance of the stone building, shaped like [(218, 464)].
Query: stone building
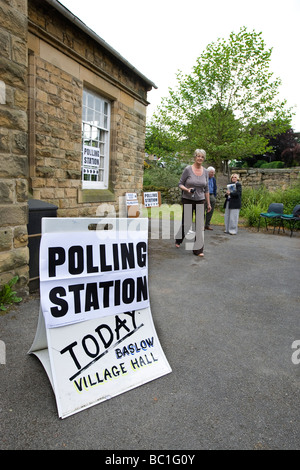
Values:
[(72, 123)]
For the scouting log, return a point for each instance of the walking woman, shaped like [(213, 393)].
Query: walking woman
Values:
[(232, 205), (195, 191)]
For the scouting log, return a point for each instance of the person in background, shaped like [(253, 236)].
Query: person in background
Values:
[(212, 185), (194, 186), (232, 205)]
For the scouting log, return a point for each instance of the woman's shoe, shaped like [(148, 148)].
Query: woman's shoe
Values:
[(198, 254)]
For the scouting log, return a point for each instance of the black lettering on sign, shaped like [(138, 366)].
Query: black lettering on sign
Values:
[(141, 248), (90, 264), (76, 288), (97, 378), (93, 259), (127, 255), (96, 346), (93, 296), (104, 266), (56, 257), (55, 295), (75, 256)]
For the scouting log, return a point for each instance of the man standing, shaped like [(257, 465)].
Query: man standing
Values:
[(212, 184)]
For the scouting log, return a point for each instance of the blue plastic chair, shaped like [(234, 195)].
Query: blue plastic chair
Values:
[(274, 213), (292, 219)]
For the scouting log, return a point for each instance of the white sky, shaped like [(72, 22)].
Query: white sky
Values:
[(160, 37)]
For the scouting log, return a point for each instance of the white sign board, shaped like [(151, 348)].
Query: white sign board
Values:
[(132, 204), (90, 159), (151, 199), (95, 336), (97, 274), (131, 199)]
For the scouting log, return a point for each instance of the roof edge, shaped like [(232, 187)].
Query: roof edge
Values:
[(77, 21)]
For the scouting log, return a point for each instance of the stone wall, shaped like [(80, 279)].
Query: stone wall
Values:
[(47, 58), (13, 142), (62, 61), (272, 179), (55, 134)]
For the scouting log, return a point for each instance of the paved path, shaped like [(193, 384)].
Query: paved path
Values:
[(226, 323)]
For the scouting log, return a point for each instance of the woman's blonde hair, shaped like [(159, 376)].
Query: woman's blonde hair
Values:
[(237, 176), (201, 152)]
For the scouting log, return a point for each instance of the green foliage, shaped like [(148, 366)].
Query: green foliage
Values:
[(264, 164), (251, 214), (259, 163), (159, 141), (255, 201), (272, 165), (221, 105), (289, 198), (160, 177), (8, 295)]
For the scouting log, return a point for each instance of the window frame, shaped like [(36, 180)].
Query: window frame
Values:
[(95, 134)]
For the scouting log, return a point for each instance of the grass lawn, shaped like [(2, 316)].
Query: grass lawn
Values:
[(175, 214)]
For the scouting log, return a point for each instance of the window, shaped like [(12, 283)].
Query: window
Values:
[(95, 141)]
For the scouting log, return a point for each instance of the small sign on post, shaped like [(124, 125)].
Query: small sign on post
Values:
[(132, 205), (95, 335), (152, 199)]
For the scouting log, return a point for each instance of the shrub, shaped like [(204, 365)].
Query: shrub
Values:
[(259, 163), (160, 177), (290, 198), (256, 201), (277, 164), (251, 214)]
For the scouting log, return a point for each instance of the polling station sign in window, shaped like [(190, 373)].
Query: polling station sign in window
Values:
[(95, 336), (91, 161)]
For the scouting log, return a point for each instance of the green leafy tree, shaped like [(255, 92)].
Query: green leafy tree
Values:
[(159, 141), (229, 93)]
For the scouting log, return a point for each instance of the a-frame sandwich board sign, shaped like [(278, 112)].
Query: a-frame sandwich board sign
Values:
[(95, 336)]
